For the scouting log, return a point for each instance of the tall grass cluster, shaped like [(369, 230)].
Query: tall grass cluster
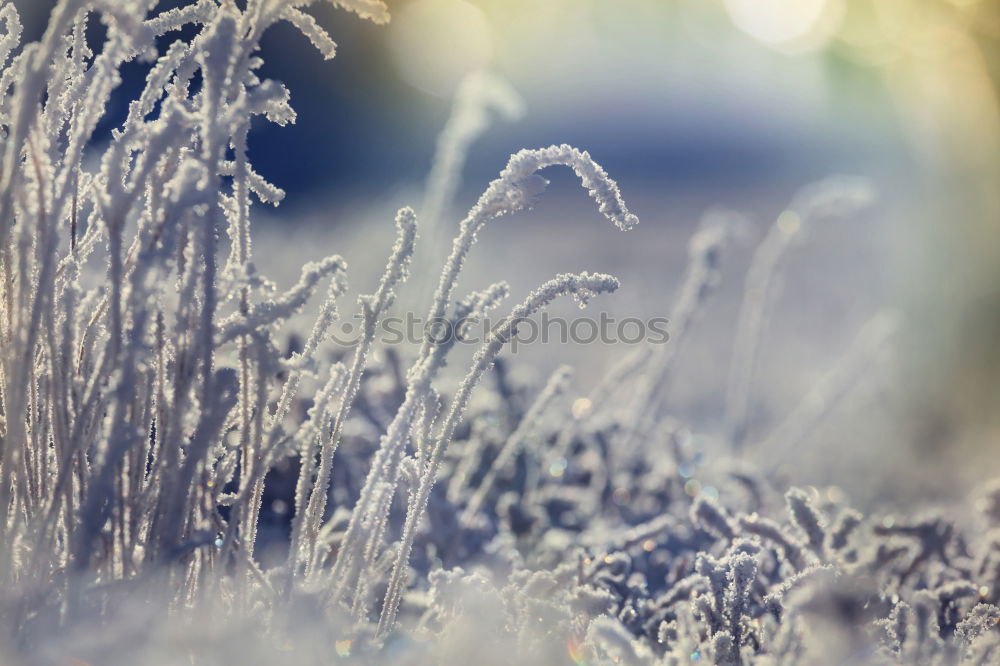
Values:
[(149, 406)]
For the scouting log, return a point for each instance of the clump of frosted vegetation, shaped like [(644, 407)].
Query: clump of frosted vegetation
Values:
[(144, 407)]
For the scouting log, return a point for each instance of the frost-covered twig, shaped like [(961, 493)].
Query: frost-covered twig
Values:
[(838, 196), (582, 287), (478, 94), (372, 309), (553, 388)]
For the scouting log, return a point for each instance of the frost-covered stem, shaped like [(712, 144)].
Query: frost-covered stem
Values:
[(384, 472), (319, 418), (115, 279), (254, 467), (218, 71), (701, 276), (358, 549), (515, 190), (30, 89), (326, 317), (742, 574), (239, 234), (808, 519), (478, 94), (838, 195), (60, 408), (555, 386), (751, 321), (122, 435), (34, 295), (261, 441), (372, 309), (582, 286), (348, 561), (376, 533), (183, 376), (312, 512)]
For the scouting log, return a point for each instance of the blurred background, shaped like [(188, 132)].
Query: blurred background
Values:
[(690, 105)]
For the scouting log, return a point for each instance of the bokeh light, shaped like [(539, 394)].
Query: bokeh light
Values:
[(436, 42), (793, 26)]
